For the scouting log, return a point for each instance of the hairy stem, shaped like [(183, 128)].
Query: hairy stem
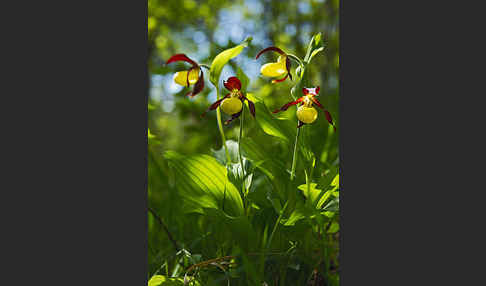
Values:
[(242, 116), (220, 127), (294, 157)]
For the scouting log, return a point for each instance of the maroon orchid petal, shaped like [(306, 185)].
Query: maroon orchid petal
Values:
[(287, 64), (280, 80), (198, 87), (286, 106), (215, 105), (329, 119), (300, 124), (275, 49), (251, 105), (188, 72), (232, 83), (317, 102), (233, 117), (181, 57)]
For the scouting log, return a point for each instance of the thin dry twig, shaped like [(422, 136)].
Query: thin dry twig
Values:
[(165, 228)]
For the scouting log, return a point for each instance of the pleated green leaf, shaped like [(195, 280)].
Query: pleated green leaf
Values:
[(223, 58), (202, 182), (271, 125)]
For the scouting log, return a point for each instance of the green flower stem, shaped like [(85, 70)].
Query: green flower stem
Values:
[(294, 157), (221, 131), (243, 188), (239, 138)]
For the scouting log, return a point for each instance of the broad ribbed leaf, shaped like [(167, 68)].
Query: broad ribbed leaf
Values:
[(202, 183), (267, 164), (272, 125), (223, 58)]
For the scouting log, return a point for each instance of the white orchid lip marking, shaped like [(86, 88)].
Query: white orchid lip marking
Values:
[(312, 91)]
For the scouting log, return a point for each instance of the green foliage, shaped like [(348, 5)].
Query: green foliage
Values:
[(240, 219), (281, 128), (240, 74), (161, 280), (223, 58), (202, 183)]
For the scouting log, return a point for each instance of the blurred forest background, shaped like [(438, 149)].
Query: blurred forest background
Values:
[(201, 30)]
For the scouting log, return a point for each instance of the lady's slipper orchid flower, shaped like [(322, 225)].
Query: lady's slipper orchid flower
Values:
[(193, 76), (232, 103), (280, 69), (306, 113)]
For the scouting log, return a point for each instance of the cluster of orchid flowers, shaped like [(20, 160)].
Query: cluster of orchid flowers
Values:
[(232, 103)]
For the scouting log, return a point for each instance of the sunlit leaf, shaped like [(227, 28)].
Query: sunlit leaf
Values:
[(156, 280), (314, 44), (323, 199), (311, 193), (152, 139), (335, 181), (223, 58), (202, 183), (300, 212), (334, 227), (315, 52), (272, 125), (161, 280), (150, 135)]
